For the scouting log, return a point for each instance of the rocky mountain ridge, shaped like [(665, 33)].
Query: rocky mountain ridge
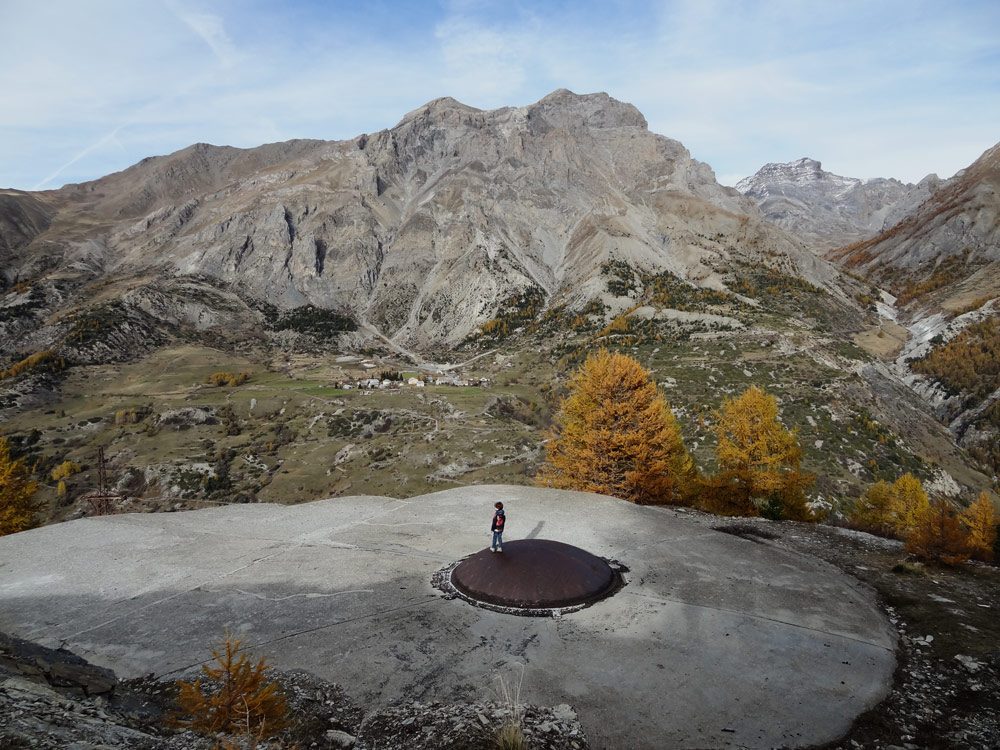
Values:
[(959, 216), (420, 231), (933, 248), (828, 209)]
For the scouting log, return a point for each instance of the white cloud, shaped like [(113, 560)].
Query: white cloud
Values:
[(211, 29), (487, 63)]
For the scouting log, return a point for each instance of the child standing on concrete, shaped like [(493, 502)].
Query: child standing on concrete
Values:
[(497, 528)]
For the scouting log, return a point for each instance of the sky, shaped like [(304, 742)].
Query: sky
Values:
[(874, 88)]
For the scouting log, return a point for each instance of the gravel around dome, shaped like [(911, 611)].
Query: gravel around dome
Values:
[(535, 574)]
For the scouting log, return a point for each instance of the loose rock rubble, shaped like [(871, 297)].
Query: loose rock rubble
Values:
[(54, 700), (466, 727)]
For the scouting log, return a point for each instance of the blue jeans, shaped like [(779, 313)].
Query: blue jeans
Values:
[(497, 541)]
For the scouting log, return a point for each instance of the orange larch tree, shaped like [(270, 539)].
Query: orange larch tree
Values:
[(237, 698), (937, 535), (615, 435), (17, 492), (758, 461), (981, 522), (909, 503), (875, 509)]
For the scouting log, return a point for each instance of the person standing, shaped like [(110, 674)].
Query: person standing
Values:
[(497, 528)]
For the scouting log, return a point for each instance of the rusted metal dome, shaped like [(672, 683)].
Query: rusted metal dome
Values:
[(535, 574)]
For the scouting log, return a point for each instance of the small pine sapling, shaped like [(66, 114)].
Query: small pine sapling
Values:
[(235, 697)]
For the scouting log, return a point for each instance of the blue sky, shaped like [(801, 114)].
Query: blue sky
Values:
[(886, 89)]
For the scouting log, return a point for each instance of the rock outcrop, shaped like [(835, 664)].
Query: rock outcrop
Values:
[(420, 232), (53, 699), (827, 209), (22, 218), (962, 216)]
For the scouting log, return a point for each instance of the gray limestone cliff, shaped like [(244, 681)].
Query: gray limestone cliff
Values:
[(419, 232), (827, 209), (960, 217)]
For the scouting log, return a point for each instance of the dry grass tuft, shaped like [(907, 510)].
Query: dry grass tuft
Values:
[(510, 735)]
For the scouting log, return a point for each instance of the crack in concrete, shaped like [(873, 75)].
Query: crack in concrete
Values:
[(309, 595), (161, 601), (671, 540), (404, 552), (759, 618)]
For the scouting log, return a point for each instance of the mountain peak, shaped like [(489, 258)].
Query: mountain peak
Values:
[(565, 109), (443, 108), (422, 222), (827, 208), (808, 163), (560, 93), (562, 109), (798, 172)]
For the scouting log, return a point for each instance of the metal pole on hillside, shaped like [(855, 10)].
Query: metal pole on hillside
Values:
[(102, 477), (100, 501)]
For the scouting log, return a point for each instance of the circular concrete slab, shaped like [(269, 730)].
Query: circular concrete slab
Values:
[(717, 641), (535, 574)]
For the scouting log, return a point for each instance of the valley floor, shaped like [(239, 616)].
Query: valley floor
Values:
[(300, 429)]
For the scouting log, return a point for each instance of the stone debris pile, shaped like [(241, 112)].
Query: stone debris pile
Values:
[(423, 726), (55, 700)]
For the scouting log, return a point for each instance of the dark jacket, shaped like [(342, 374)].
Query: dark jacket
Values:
[(498, 521)]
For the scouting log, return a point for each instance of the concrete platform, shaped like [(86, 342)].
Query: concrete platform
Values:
[(715, 642)]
